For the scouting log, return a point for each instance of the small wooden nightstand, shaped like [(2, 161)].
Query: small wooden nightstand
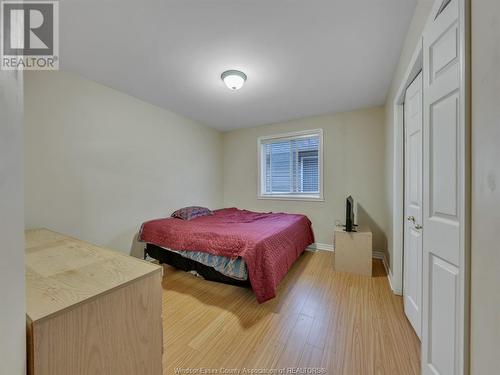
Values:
[(353, 251)]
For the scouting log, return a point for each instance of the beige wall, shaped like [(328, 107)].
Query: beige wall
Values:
[(12, 301), (485, 306), (353, 164), (420, 16), (99, 162)]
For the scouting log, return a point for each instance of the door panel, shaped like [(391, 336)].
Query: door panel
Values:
[(444, 51), (412, 270), (443, 148), (415, 168), (413, 290), (445, 139), (443, 303)]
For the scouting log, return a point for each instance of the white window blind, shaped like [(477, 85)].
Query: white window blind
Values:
[(291, 165)]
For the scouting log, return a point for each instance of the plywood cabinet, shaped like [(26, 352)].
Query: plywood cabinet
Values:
[(90, 310), (353, 251)]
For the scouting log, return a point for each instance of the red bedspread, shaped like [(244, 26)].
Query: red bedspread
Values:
[(268, 242)]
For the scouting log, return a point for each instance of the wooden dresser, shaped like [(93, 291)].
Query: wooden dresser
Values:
[(90, 310)]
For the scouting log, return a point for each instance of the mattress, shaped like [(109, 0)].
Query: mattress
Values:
[(234, 268), (176, 260)]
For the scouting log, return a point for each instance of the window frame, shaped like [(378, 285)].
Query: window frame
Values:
[(261, 168)]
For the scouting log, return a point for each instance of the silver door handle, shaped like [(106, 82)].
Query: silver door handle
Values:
[(411, 218), (418, 226)]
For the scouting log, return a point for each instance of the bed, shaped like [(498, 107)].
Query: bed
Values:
[(265, 244)]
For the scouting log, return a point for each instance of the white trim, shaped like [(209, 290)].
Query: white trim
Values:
[(390, 277), (414, 67), (378, 254), (288, 197), (382, 255), (289, 135), (320, 246), (284, 136)]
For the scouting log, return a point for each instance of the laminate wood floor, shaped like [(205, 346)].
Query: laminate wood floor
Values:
[(336, 322)]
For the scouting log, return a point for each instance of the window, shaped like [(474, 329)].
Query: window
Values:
[(291, 166)]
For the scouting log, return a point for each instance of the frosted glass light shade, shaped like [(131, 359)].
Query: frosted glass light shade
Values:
[(234, 79)]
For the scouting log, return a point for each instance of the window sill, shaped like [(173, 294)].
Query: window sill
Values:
[(305, 198)]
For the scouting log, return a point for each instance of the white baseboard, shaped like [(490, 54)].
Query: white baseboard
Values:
[(381, 255), (320, 246), (397, 291)]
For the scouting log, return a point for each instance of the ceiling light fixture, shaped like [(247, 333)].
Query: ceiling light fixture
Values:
[(234, 79)]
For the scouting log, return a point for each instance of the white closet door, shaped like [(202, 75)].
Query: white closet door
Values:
[(445, 192), (412, 274)]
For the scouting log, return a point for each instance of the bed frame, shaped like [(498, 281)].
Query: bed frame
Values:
[(185, 264)]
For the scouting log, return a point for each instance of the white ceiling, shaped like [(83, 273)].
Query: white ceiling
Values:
[(302, 57)]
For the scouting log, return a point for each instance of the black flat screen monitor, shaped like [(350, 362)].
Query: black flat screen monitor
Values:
[(349, 215)]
